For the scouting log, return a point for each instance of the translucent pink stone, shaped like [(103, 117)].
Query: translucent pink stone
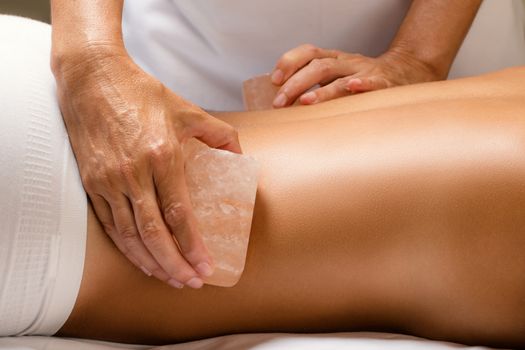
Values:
[(259, 93), (222, 188)]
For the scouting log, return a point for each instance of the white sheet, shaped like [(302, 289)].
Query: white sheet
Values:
[(267, 341)]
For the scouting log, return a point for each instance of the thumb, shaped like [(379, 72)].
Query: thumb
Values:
[(216, 133)]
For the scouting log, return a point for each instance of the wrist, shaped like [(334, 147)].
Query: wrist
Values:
[(74, 61), (432, 69)]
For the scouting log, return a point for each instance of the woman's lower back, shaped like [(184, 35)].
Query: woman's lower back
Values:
[(402, 217)]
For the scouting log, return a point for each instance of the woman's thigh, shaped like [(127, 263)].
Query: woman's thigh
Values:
[(407, 218)]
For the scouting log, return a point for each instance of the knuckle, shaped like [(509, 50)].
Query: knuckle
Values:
[(92, 179), (126, 170), (128, 177), (321, 65), (89, 182), (310, 48), (151, 233), (161, 151), (287, 59), (111, 232), (282, 63), (128, 234), (95, 172), (176, 214)]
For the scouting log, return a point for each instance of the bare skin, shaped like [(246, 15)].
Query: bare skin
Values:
[(126, 127), (371, 214)]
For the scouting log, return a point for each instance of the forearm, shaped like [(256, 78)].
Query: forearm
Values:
[(433, 31), (84, 27)]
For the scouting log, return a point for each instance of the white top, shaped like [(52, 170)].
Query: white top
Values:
[(204, 49)]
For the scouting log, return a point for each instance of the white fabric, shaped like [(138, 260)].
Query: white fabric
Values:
[(204, 49), (270, 341), (43, 208)]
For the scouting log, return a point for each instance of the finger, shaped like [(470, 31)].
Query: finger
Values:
[(335, 89), (317, 71), (178, 212), (214, 132), (104, 214), (105, 217), (295, 59), (363, 84), (158, 240), (128, 236)]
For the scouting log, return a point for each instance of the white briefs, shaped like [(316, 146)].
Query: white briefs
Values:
[(43, 207)]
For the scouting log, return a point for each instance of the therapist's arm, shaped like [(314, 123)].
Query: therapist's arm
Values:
[(126, 128), (422, 50)]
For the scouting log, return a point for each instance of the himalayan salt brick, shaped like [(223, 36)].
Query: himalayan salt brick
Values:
[(222, 187), (259, 92)]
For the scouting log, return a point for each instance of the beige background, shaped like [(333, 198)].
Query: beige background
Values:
[(37, 9)]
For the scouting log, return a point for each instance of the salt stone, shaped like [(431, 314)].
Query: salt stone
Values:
[(259, 93), (222, 187)]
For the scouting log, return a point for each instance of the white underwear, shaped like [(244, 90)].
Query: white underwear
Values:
[(43, 207)]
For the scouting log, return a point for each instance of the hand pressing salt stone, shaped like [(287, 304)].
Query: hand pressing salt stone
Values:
[(222, 187)]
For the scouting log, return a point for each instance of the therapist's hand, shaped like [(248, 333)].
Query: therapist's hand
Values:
[(339, 74), (126, 131)]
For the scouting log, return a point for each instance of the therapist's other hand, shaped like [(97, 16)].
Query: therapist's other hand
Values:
[(340, 74), (126, 130)]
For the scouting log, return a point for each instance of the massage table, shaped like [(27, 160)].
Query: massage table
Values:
[(262, 341)]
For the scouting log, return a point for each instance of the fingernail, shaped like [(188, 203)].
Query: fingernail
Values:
[(174, 283), (204, 269), (280, 100), (195, 282), (277, 77), (309, 97), (145, 270)]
